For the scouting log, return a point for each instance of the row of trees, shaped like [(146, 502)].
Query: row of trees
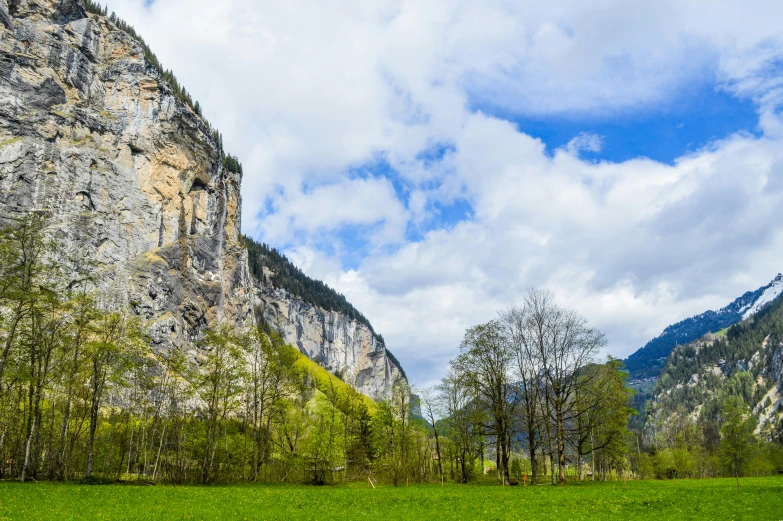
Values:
[(528, 383), (687, 447), (82, 394), (526, 390)]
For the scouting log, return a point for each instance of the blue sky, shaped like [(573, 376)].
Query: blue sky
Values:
[(433, 159), (693, 119)]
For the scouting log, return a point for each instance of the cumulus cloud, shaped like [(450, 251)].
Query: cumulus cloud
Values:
[(313, 96)]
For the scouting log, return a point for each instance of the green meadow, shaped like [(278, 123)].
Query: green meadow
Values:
[(714, 499)]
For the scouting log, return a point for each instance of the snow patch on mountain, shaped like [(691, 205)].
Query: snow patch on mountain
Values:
[(771, 292)]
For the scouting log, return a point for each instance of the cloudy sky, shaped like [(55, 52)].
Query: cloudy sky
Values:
[(433, 159)]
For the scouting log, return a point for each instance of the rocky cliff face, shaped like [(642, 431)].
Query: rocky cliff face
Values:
[(131, 177), (345, 347), (136, 189)]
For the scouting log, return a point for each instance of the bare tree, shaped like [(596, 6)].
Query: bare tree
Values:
[(432, 410), (565, 345), (526, 328), (465, 418)]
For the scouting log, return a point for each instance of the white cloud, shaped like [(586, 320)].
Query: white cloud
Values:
[(348, 202), (585, 141), (307, 93)]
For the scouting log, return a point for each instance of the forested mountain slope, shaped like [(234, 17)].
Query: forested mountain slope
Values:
[(745, 362), (648, 362)]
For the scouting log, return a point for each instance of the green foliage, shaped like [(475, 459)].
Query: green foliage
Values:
[(737, 439), (231, 163), (82, 395), (723, 370), (95, 8)]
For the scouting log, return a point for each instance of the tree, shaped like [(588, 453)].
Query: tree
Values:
[(431, 408), (464, 421), (526, 328), (485, 362), (219, 386), (117, 341), (565, 344), (737, 438), (269, 379), (392, 430), (26, 275), (42, 338), (600, 414)]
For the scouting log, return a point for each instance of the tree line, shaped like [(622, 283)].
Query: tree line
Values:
[(527, 393), (84, 396)]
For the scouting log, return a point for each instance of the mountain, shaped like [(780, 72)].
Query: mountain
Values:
[(140, 194), (746, 361), (648, 362), (320, 322)]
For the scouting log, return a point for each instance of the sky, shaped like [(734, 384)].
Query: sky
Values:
[(434, 159)]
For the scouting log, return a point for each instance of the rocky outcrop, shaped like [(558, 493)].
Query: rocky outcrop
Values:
[(136, 189), (132, 178), (344, 346)]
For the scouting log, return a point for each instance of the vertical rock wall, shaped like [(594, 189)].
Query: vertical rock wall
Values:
[(136, 190), (344, 346), (131, 177)]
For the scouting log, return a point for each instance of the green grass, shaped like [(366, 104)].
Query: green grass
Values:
[(760, 499), (721, 333)]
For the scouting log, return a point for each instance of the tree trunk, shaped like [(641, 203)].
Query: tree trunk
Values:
[(93, 427), (561, 457), (532, 449)]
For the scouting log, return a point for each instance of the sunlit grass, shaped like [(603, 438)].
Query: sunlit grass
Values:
[(760, 498)]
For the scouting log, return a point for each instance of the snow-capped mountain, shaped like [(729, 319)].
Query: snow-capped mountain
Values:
[(648, 362), (771, 292)]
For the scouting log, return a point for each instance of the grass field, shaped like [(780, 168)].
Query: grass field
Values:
[(718, 499)]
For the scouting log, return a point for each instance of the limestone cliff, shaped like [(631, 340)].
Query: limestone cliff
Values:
[(131, 177), (138, 192), (344, 346)]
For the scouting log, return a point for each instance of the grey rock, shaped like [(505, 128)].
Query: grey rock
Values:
[(344, 346), (133, 181)]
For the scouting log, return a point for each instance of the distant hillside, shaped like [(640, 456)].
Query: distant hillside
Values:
[(649, 361), (746, 362)]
